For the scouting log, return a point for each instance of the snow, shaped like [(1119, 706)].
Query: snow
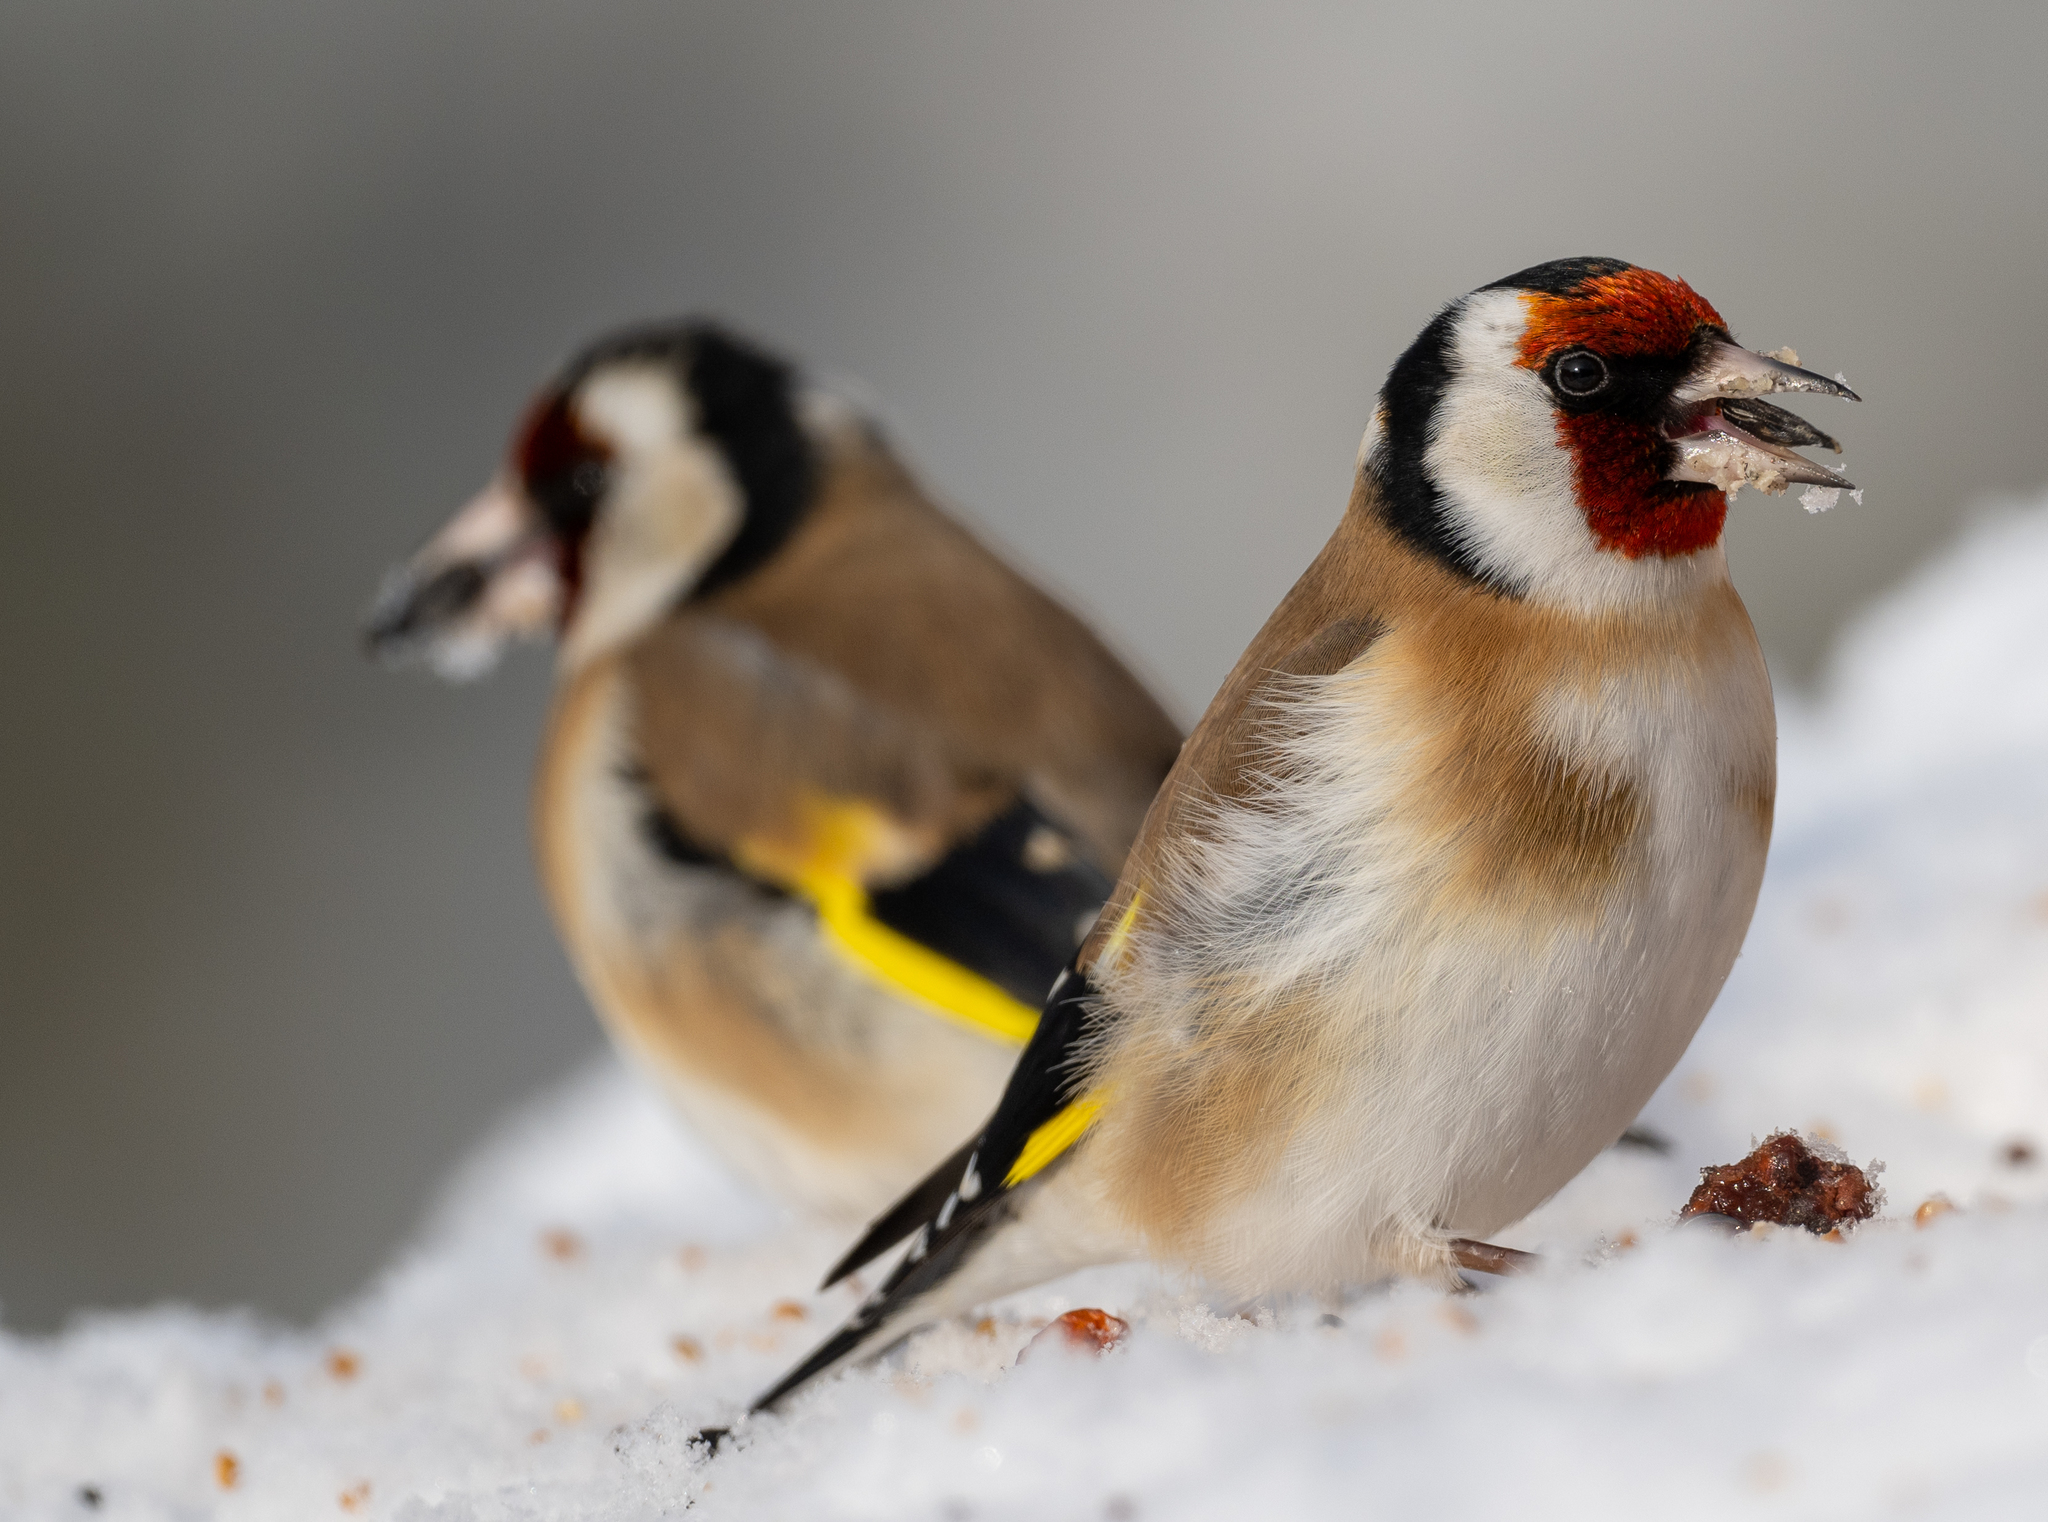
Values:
[(521, 1359)]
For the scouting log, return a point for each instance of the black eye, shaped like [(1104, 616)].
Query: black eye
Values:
[(588, 479), (1580, 373)]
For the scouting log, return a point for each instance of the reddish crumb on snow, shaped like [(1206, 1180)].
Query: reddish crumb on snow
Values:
[(356, 1497), (1786, 1183), (343, 1365), (691, 1258), (227, 1470), (1090, 1331), (562, 1246), (1457, 1318)]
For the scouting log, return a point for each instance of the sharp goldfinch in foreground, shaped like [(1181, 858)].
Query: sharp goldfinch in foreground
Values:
[(1454, 864), (829, 793)]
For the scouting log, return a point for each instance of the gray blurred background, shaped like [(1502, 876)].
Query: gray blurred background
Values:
[(275, 280)]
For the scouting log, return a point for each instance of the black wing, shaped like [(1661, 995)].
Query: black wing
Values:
[(1042, 1090), (1009, 903), (972, 1195)]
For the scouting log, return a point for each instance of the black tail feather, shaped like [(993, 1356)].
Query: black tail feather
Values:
[(841, 1344), (945, 1227), (881, 1315), (904, 1217)]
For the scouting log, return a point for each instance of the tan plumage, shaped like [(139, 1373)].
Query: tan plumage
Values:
[(1516, 832), (739, 769), (1454, 863)]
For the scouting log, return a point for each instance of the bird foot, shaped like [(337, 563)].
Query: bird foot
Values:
[(1488, 1259)]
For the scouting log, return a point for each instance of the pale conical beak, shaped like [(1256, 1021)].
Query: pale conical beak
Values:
[(486, 578), (1728, 369), (1730, 440)]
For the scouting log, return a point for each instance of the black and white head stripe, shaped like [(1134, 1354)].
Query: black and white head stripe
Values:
[(1408, 410), (1399, 455), (745, 402)]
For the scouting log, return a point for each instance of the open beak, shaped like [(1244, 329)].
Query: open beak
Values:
[(486, 578), (1729, 439)]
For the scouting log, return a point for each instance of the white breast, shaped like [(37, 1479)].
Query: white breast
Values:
[(1462, 1063)]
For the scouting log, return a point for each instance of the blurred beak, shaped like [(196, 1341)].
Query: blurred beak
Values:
[(488, 577), (1729, 440)]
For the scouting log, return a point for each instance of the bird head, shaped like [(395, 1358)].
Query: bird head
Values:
[(1571, 434), (663, 462)]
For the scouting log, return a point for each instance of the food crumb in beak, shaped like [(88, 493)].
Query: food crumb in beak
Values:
[(1818, 499)]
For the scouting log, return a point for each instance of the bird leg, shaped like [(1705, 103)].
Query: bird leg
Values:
[(1488, 1259)]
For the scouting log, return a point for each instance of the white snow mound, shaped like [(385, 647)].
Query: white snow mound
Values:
[(594, 1289)]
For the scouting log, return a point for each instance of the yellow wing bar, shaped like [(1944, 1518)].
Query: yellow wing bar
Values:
[(840, 838), (1053, 1138), (917, 972)]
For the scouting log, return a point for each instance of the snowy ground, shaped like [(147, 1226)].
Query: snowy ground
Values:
[(594, 1290)]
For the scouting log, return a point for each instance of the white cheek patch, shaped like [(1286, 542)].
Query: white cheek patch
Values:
[(671, 506), (666, 518), (1506, 478)]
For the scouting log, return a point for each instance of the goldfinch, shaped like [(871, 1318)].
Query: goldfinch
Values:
[(1455, 862), (828, 794)]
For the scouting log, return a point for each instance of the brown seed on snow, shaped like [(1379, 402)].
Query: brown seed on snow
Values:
[(1786, 1183), (986, 1327), (356, 1497), (2017, 1153), (563, 1246), (691, 1257), (1932, 1209), (1766, 1471), (273, 1393), (688, 1349), (568, 1410), (1930, 1094), (343, 1364), (1089, 1331), (227, 1470), (788, 1310)]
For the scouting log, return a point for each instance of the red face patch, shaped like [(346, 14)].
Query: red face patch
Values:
[(1618, 463), (550, 443), (562, 469)]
